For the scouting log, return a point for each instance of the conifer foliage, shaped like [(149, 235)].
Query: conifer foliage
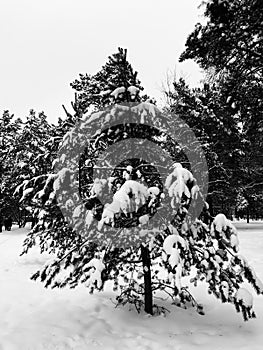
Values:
[(23, 155), (229, 47), (123, 220), (96, 91)]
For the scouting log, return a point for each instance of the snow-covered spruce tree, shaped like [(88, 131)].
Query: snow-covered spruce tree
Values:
[(91, 254), (32, 158), (40, 142), (9, 132), (127, 225)]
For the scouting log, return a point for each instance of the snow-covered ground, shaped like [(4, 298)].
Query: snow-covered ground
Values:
[(35, 318)]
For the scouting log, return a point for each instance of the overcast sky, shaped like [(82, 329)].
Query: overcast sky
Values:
[(46, 44)]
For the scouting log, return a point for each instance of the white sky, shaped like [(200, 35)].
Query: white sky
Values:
[(45, 44)]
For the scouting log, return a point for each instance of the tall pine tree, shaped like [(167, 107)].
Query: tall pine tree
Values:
[(229, 48)]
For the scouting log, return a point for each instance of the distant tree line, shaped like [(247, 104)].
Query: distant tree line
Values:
[(225, 112)]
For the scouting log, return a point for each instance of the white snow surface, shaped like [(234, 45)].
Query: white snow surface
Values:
[(35, 318)]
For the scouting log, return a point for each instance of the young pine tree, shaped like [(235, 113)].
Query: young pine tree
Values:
[(121, 221)]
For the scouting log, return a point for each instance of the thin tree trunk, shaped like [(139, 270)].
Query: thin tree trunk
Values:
[(148, 297), (248, 215)]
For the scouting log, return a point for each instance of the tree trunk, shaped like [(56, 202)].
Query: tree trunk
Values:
[(148, 297), (248, 215)]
